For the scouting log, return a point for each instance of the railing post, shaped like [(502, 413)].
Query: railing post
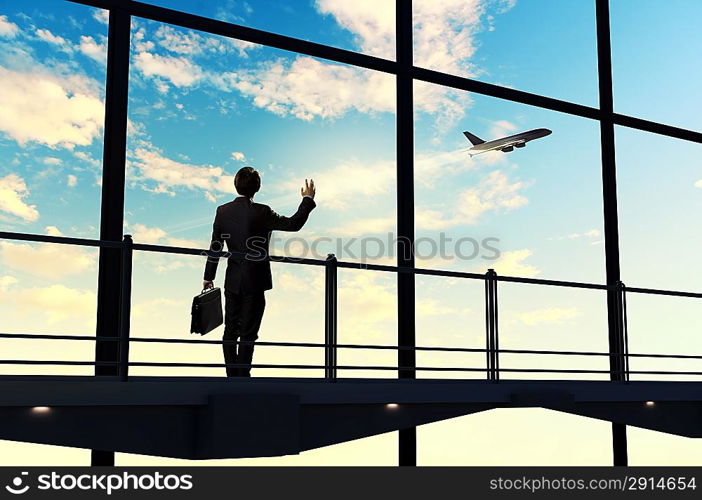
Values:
[(491, 326), (125, 307), (623, 334), (330, 334)]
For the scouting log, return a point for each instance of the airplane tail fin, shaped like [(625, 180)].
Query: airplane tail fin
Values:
[(474, 139)]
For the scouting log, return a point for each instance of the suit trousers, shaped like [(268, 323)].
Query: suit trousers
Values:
[(242, 319)]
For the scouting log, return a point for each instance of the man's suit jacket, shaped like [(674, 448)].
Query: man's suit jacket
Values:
[(246, 227)]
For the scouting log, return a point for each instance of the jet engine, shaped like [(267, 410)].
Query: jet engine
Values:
[(520, 145), (507, 149)]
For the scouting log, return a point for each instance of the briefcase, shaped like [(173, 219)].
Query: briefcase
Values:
[(206, 311)]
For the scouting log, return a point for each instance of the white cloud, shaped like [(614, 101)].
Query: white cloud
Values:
[(494, 193), (187, 42), (50, 261), (152, 167), (102, 16), (699, 184), (590, 234), (444, 32), (8, 29), (336, 189), (94, 50), (549, 315), (511, 263), (501, 128), (371, 21), (170, 266), (49, 109), (157, 236), (56, 302), (359, 227), (71, 180), (238, 156), (81, 155), (13, 191), (48, 37), (6, 282), (53, 231), (180, 71), (51, 161), (307, 88)]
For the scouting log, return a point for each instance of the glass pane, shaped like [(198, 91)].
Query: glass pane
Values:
[(534, 317), (361, 26), (515, 436), (197, 118), (52, 73), (546, 47), (450, 313), (48, 289), (653, 448), (660, 197), (655, 52), (52, 85), (664, 325), (378, 450), (367, 308), (531, 211)]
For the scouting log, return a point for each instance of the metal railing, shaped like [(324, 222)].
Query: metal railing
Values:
[(331, 346)]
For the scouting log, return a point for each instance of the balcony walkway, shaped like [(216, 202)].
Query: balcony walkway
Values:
[(212, 417)]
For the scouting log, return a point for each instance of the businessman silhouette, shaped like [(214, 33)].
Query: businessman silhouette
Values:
[(246, 227)]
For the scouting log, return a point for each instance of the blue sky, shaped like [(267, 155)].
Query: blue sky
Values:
[(200, 107)]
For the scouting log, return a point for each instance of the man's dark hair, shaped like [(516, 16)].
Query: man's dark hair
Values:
[(247, 181)]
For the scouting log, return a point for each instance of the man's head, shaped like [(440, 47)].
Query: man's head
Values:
[(247, 181)]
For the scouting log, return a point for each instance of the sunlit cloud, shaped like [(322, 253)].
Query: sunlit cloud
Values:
[(511, 263), (495, 193), (157, 236), (48, 37), (102, 16), (307, 88), (46, 260), (179, 71), (51, 109), (336, 191), (94, 50), (8, 29), (549, 315), (13, 191), (589, 234), (238, 156), (358, 227), (699, 184), (71, 180), (56, 303), (158, 174)]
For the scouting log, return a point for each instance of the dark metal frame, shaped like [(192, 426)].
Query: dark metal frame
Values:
[(112, 336)]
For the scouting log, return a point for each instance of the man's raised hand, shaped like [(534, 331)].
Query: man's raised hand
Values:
[(308, 189)]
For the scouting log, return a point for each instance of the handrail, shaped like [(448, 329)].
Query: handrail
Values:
[(264, 343), (40, 238), (492, 370), (178, 364)]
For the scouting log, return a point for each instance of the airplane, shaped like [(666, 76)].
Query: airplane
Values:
[(506, 144)]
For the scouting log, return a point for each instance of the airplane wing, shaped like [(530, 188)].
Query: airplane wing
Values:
[(499, 147)]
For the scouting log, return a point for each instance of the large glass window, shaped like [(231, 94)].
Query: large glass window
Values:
[(201, 106), (361, 26), (52, 85), (546, 47), (654, 60)]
